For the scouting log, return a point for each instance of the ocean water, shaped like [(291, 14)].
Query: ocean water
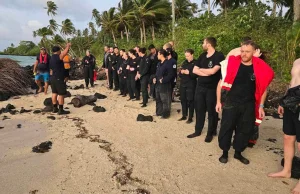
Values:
[(22, 60)]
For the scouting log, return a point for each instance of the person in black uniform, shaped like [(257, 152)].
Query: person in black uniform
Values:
[(163, 79), (123, 74), (169, 50), (153, 65), (104, 63), (89, 64), (205, 96), (144, 75), (187, 86), (174, 54), (117, 61), (109, 63), (132, 73), (58, 79)]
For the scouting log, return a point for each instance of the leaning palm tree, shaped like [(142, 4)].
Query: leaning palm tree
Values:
[(95, 14), (108, 22), (67, 27), (185, 9), (85, 32), (147, 10), (51, 8), (225, 4), (52, 25), (92, 28), (124, 17), (44, 33)]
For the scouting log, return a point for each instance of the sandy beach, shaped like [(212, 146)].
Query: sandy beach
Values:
[(110, 152)]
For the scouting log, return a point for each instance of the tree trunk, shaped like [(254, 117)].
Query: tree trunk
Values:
[(208, 7), (127, 33), (173, 20), (113, 34), (144, 30), (122, 35), (296, 10), (274, 9), (141, 30), (153, 33), (225, 9), (81, 100)]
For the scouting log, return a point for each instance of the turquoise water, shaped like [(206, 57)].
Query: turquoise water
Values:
[(22, 60)]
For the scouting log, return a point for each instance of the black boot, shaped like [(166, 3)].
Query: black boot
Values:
[(224, 158), (242, 159), (182, 119)]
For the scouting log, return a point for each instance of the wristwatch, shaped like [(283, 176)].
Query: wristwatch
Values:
[(261, 106)]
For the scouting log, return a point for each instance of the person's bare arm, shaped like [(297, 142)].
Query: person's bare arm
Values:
[(197, 71), (211, 71), (65, 52), (35, 66), (261, 106)]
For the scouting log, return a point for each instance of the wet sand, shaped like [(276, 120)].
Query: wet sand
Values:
[(111, 152)]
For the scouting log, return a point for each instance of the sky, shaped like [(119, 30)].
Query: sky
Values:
[(19, 18)]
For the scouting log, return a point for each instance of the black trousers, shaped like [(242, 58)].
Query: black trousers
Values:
[(187, 101), (116, 79), (240, 119), (205, 101), (152, 86), (89, 76), (123, 84), (132, 86), (110, 76), (144, 87), (163, 99)]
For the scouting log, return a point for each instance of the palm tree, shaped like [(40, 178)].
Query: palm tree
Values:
[(148, 10), (95, 13), (51, 8), (67, 27), (296, 10), (34, 34), (124, 17), (108, 20), (44, 33), (225, 4), (208, 3), (85, 32), (185, 9), (53, 25), (78, 33), (92, 28), (58, 40)]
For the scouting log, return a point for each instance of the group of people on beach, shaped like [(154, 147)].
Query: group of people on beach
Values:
[(234, 86)]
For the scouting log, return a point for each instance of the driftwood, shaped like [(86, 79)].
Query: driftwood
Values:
[(81, 100)]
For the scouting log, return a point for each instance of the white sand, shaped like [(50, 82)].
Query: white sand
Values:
[(155, 156)]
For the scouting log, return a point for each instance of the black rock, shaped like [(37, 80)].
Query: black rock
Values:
[(99, 109), (51, 117), (43, 147), (13, 112), (5, 118), (10, 107), (271, 140), (4, 96), (144, 118), (1, 127), (48, 102), (78, 87), (24, 110), (100, 96), (19, 126), (47, 109), (91, 104), (68, 95), (37, 112)]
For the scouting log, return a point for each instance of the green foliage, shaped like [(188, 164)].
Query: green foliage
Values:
[(25, 48)]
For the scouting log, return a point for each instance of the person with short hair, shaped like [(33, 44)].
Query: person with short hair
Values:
[(207, 68), (123, 74), (109, 62), (241, 98), (89, 64), (41, 70), (58, 79), (187, 86), (117, 61), (153, 61), (174, 54), (132, 72), (105, 64)]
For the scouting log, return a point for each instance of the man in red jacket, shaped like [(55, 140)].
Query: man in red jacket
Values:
[(244, 90)]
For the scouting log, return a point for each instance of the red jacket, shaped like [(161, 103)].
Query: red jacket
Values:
[(263, 77)]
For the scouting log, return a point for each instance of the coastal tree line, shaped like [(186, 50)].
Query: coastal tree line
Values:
[(142, 22)]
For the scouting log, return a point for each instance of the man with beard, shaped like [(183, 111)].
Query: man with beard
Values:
[(153, 65), (89, 64), (58, 79), (207, 68), (242, 93)]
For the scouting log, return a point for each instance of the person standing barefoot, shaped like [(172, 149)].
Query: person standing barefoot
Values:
[(296, 190), (291, 124)]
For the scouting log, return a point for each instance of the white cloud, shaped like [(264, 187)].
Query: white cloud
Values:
[(34, 24)]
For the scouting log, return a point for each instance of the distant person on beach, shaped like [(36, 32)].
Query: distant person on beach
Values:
[(123, 74), (132, 72), (105, 64), (117, 61), (41, 70), (207, 68), (58, 79), (187, 86), (168, 48), (163, 80), (290, 109), (109, 63), (174, 54), (153, 61), (144, 75), (241, 98), (89, 64)]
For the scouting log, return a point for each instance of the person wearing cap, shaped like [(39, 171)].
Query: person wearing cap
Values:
[(41, 70), (58, 79), (153, 66), (89, 64)]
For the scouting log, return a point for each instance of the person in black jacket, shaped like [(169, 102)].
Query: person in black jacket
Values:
[(109, 63), (144, 75), (163, 79), (89, 63), (104, 63), (132, 73), (187, 86), (117, 61), (169, 50), (153, 65), (174, 54), (122, 71)]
